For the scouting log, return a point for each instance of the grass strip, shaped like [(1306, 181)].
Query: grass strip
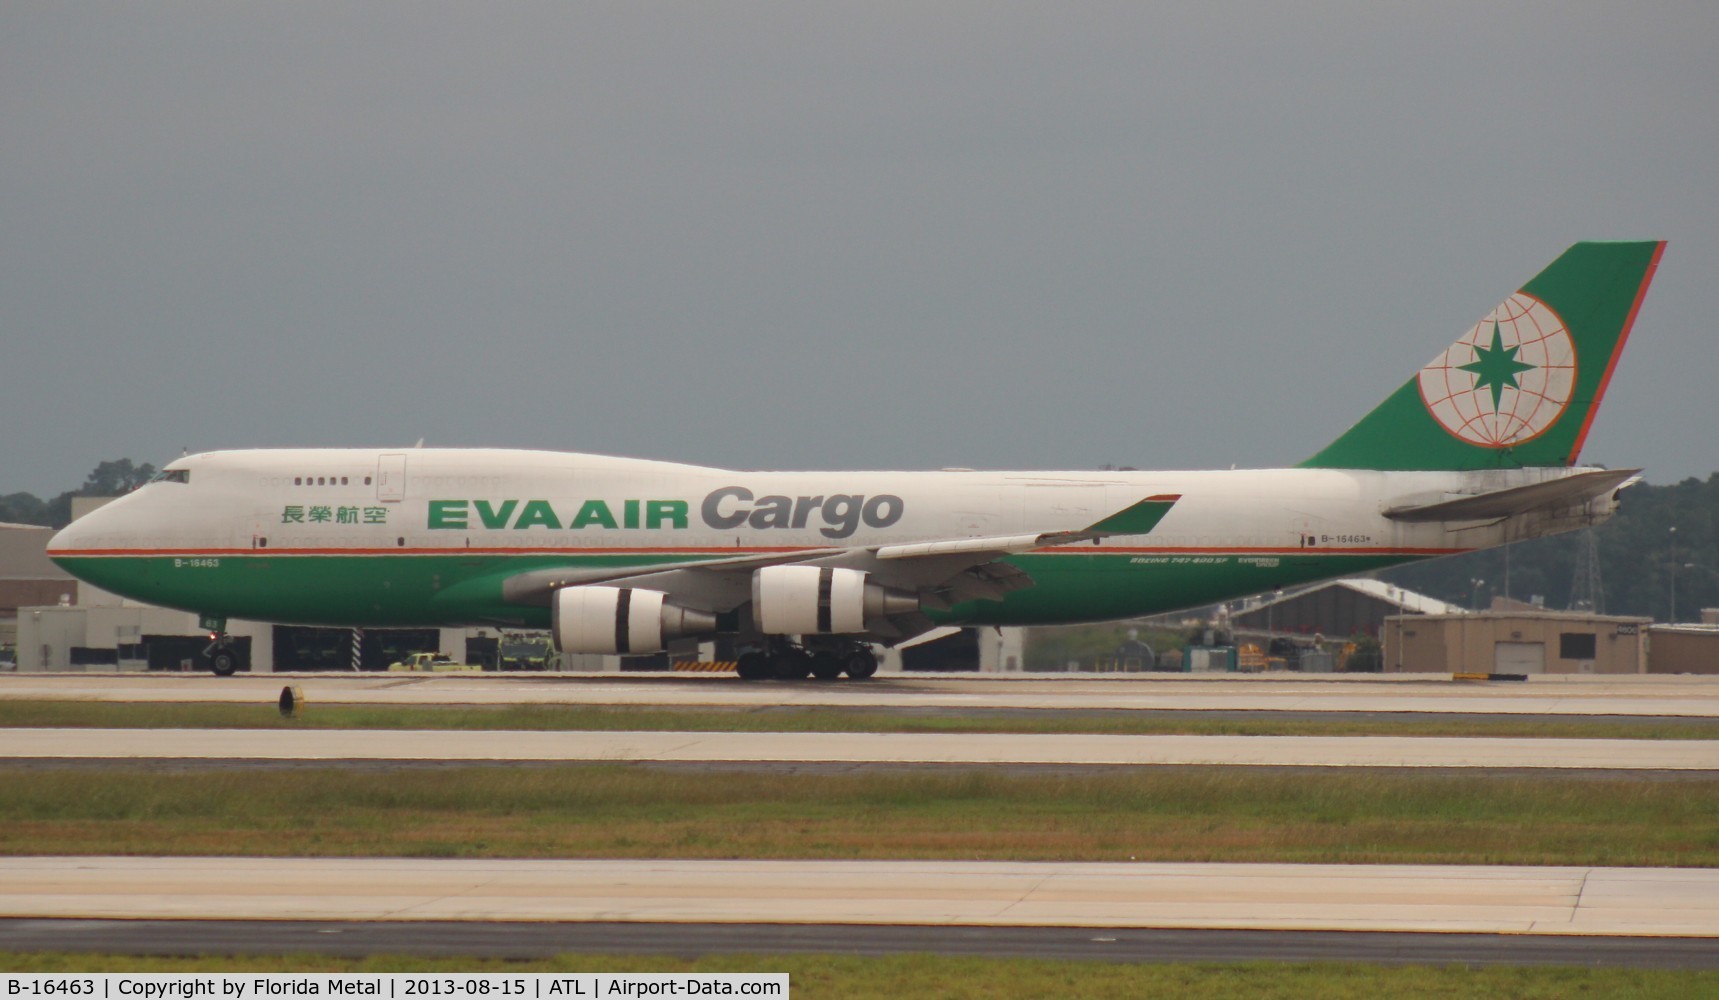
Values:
[(606, 810), (833, 977), (154, 715)]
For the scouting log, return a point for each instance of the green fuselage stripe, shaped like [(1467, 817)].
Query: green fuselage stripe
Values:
[(1070, 585)]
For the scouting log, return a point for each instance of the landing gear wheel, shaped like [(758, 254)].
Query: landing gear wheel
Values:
[(753, 666), (827, 666), (224, 663), (792, 664), (862, 664)]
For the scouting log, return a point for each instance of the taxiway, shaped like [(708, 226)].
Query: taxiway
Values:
[(856, 748), (1445, 898), (1548, 695)]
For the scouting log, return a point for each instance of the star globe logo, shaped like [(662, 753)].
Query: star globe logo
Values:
[(1505, 381)]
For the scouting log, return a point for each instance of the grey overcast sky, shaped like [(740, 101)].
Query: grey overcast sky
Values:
[(897, 235)]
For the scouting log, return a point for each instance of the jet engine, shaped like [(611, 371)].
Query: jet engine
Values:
[(621, 620), (822, 600)]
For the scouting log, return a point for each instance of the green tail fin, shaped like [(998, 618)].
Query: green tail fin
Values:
[(1521, 387)]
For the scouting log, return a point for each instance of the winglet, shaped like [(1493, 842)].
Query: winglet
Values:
[(1137, 519)]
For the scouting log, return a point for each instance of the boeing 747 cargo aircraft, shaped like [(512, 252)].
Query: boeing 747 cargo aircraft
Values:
[(808, 569)]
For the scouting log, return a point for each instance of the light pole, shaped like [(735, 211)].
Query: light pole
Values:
[(1474, 593), (1271, 619), (1673, 619)]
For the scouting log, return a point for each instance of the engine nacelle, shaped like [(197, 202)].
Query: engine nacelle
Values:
[(821, 600), (622, 620)]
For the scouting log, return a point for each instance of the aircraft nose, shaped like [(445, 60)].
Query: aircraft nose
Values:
[(67, 539), (76, 537)]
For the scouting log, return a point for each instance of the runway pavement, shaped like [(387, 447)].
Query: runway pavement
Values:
[(520, 940), (1467, 899), (1560, 695), (855, 748)]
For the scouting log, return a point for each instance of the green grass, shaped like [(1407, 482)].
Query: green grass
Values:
[(1196, 814), (828, 977), (75, 714)]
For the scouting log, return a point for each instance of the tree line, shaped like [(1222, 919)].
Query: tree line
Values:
[(109, 479)]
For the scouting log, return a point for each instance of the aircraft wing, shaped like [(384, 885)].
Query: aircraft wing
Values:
[(1554, 494), (963, 569), (944, 572)]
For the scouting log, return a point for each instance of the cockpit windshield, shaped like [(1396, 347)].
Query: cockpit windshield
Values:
[(172, 476)]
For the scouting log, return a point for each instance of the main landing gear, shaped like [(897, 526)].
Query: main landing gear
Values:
[(784, 660)]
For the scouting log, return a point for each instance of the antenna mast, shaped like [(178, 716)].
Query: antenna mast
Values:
[(1586, 591)]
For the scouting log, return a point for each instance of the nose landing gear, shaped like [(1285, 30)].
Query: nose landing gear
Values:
[(223, 658)]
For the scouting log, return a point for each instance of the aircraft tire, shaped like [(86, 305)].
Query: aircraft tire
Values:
[(753, 666), (827, 666), (861, 665), (225, 663)]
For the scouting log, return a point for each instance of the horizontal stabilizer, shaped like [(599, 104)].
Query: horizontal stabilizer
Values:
[(1554, 494)]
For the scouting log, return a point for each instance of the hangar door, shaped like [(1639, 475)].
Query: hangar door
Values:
[(1519, 658)]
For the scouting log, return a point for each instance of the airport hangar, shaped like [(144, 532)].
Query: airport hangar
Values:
[(1423, 635)]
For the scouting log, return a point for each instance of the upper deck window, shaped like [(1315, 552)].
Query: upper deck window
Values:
[(172, 476)]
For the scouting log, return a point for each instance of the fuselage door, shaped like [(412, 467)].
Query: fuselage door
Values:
[(391, 478)]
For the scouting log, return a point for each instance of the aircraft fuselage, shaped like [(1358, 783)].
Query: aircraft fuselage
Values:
[(377, 537)]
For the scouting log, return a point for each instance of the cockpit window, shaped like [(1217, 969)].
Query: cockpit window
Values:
[(172, 476)]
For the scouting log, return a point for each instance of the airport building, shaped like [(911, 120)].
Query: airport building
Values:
[(27, 579), (1338, 608), (1516, 642), (1685, 649)]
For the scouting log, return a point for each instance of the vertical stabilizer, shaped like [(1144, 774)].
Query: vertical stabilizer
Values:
[(1520, 387)]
